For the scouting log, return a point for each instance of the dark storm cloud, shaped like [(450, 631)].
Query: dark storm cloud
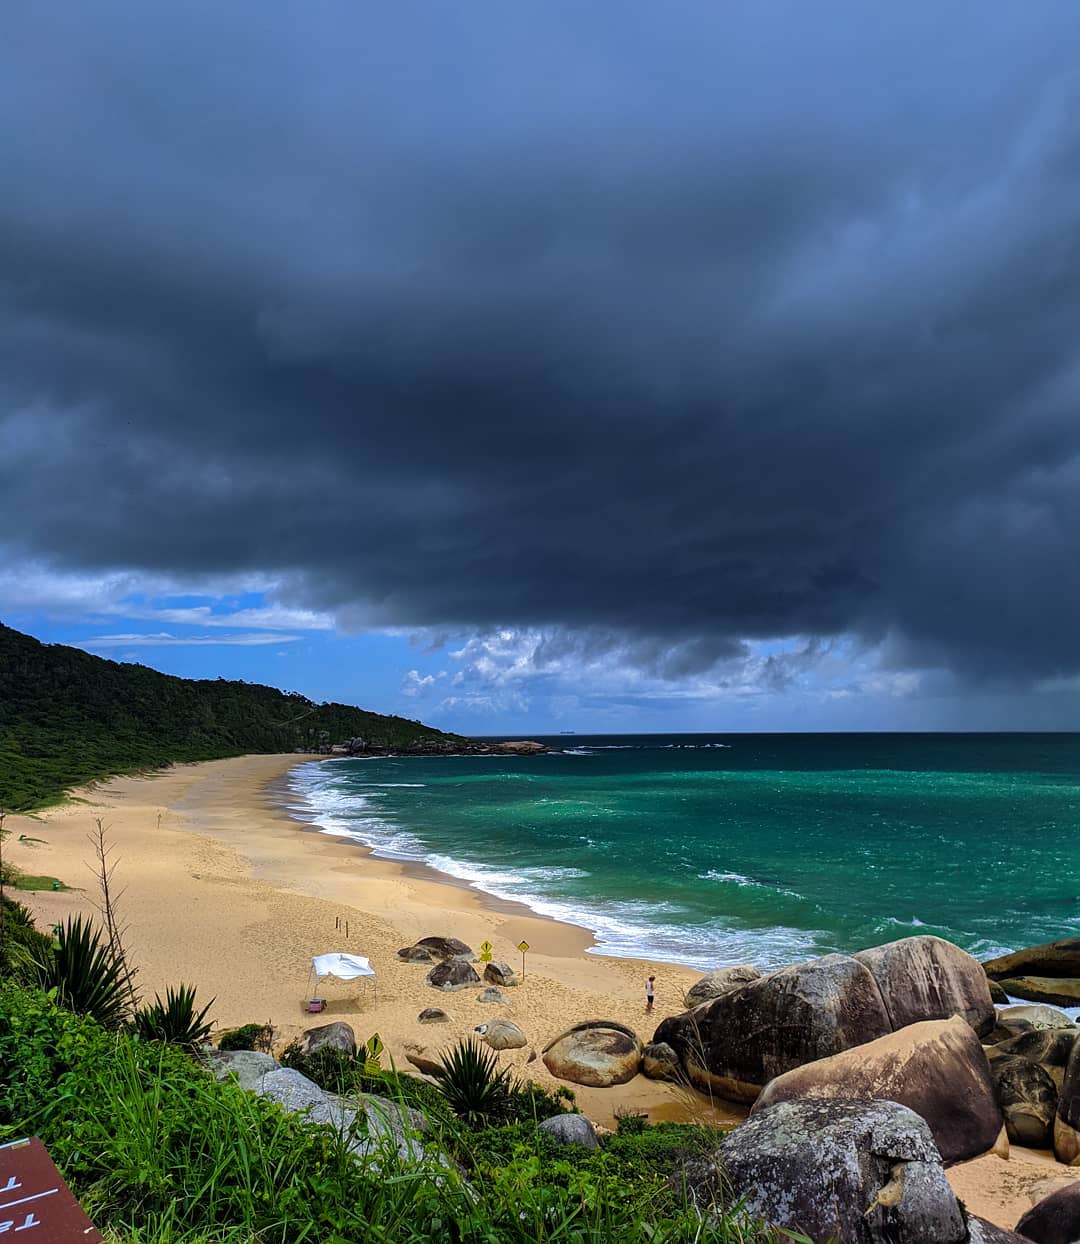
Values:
[(689, 326)]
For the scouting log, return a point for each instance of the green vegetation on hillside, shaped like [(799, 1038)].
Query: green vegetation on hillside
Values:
[(67, 717), (159, 1152)]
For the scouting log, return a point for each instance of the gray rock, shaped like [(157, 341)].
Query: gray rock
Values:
[(494, 995), (739, 1041), (245, 1066), (433, 1015), (982, 1232), (423, 1059), (862, 1172), (1050, 959), (998, 995), (598, 1053), (502, 1034), (1067, 1119), (936, 1068), (1024, 1018), (1042, 1045), (926, 977), (1028, 1099), (336, 1036), (1049, 990), (445, 948), (416, 954), (452, 975), (365, 1120), (1055, 1219), (660, 1062), (720, 982), (571, 1129), (500, 974)]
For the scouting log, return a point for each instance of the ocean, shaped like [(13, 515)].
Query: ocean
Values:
[(742, 848)]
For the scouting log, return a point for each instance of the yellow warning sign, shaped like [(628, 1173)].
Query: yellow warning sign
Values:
[(485, 952), (523, 946)]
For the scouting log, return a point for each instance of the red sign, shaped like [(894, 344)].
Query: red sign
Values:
[(36, 1206)]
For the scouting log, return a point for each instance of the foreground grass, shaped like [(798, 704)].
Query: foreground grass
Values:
[(160, 1153)]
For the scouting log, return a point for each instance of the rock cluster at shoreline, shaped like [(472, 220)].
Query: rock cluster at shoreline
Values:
[(868, 1074), (433, 745)]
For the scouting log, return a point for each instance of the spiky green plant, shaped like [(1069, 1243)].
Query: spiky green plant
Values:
[(83, 971), (175, 1020), (476, 1088)]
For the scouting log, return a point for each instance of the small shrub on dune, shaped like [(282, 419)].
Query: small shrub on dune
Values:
[(83, 970), (175, 1020), (248, 1037), (476, 1088)]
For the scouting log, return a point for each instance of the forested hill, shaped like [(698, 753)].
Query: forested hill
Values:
[(67, 717)]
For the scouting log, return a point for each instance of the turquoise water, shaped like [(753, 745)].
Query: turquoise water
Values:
[(741, 848)]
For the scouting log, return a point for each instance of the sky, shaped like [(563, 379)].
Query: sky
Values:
[(547, 366)]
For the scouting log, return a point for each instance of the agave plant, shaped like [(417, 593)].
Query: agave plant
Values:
[(475, 1087), (85, 974), (174, 1020)]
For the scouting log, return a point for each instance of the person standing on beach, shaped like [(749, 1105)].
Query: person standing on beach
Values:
[(650, 994)]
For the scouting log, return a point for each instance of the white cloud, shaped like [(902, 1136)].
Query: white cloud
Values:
[(163, 639)]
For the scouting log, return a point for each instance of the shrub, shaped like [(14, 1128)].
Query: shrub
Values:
[(338, 1072), (174, 1020), (476, 1088), (160, 1153), (23, 947), (85, 974), (248, 1037)]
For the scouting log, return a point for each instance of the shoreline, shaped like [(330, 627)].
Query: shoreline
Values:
[(221, 888)]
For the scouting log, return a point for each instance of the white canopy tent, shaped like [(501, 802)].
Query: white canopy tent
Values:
[(344, 967)]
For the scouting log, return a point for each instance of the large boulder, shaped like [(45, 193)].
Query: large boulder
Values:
[(382, 1122), (1050, 959), (927, 977), (424, 1060), (501, 974), (1055, 1219), (445, 948), (936, 1068), (1052, 1046), (735, 1044), (502, 1034), (244, 1066), (1067, 1119), (660, 1062), (1024, 1018), (416, 954), (864, 1172), (336, 1036), (570, 1129), (1028, 1099), (598, 1053), (1049, 990), (451, 975), (982, 1232), (720, 982)]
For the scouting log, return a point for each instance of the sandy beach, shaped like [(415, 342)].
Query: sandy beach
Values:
[(221, 889)]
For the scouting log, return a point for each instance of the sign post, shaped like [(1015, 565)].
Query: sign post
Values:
[(485, 952), (523, 947), (33, 1195)]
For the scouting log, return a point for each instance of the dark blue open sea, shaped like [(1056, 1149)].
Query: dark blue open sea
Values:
[(715, 849)]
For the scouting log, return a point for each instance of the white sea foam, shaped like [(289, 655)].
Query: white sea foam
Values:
[(754, 883)]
